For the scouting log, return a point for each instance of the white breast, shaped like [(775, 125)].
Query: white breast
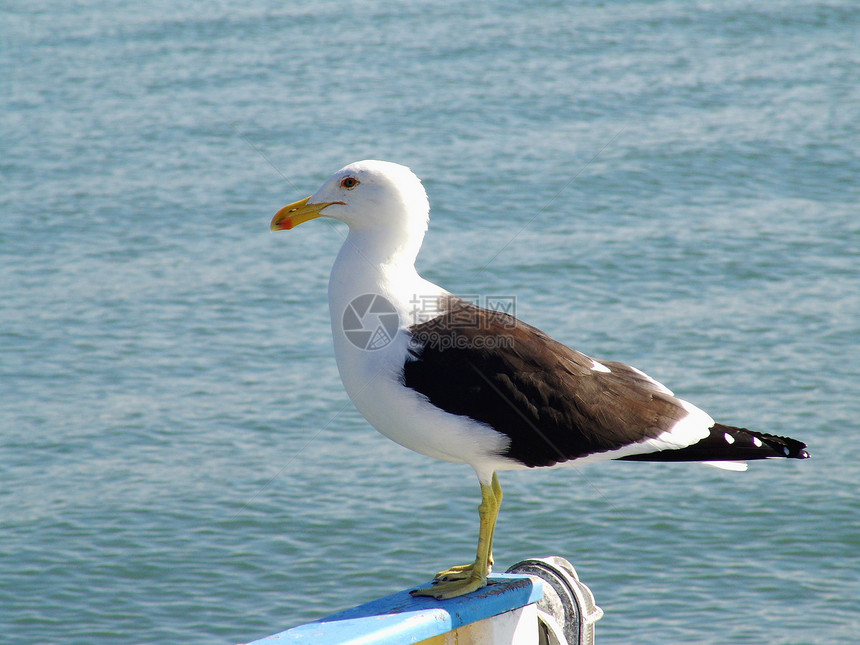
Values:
[(373, 377)]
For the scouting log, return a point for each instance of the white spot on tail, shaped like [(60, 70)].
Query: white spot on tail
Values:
[(757, 442), (599, 367), (729, 438)]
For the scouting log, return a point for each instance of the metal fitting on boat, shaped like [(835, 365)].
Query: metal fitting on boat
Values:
[(567, 612)]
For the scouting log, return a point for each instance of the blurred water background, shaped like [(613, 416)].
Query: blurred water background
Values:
[(671, 184)]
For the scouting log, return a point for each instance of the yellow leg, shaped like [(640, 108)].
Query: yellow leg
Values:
[(497, 493), (463, 579), (463, 571)]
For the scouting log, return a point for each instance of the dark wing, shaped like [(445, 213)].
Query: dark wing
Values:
[(547, 398)]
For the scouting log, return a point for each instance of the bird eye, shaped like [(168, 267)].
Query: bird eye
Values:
[(349, 182)]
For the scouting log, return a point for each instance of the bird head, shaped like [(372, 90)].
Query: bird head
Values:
[(374, 196)]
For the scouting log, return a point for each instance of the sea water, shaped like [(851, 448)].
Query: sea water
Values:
[(670, 184)]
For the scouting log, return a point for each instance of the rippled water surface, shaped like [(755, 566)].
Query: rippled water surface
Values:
[(671, 184)]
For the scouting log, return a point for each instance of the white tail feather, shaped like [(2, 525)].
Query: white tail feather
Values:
[(737, 466)]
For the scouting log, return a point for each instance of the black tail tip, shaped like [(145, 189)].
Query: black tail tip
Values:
[(790, 448), (794, 449)]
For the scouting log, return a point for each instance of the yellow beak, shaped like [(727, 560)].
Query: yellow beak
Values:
[(296, 213)]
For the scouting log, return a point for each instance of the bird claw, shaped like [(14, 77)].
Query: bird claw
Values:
[(445, 589), (460, 572)]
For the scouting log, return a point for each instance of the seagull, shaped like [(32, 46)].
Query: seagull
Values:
[(449, 379)]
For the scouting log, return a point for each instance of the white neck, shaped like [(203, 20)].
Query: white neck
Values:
[(379, 264), (366, 266)]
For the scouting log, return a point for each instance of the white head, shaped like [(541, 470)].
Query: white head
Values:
[(380, 199)]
